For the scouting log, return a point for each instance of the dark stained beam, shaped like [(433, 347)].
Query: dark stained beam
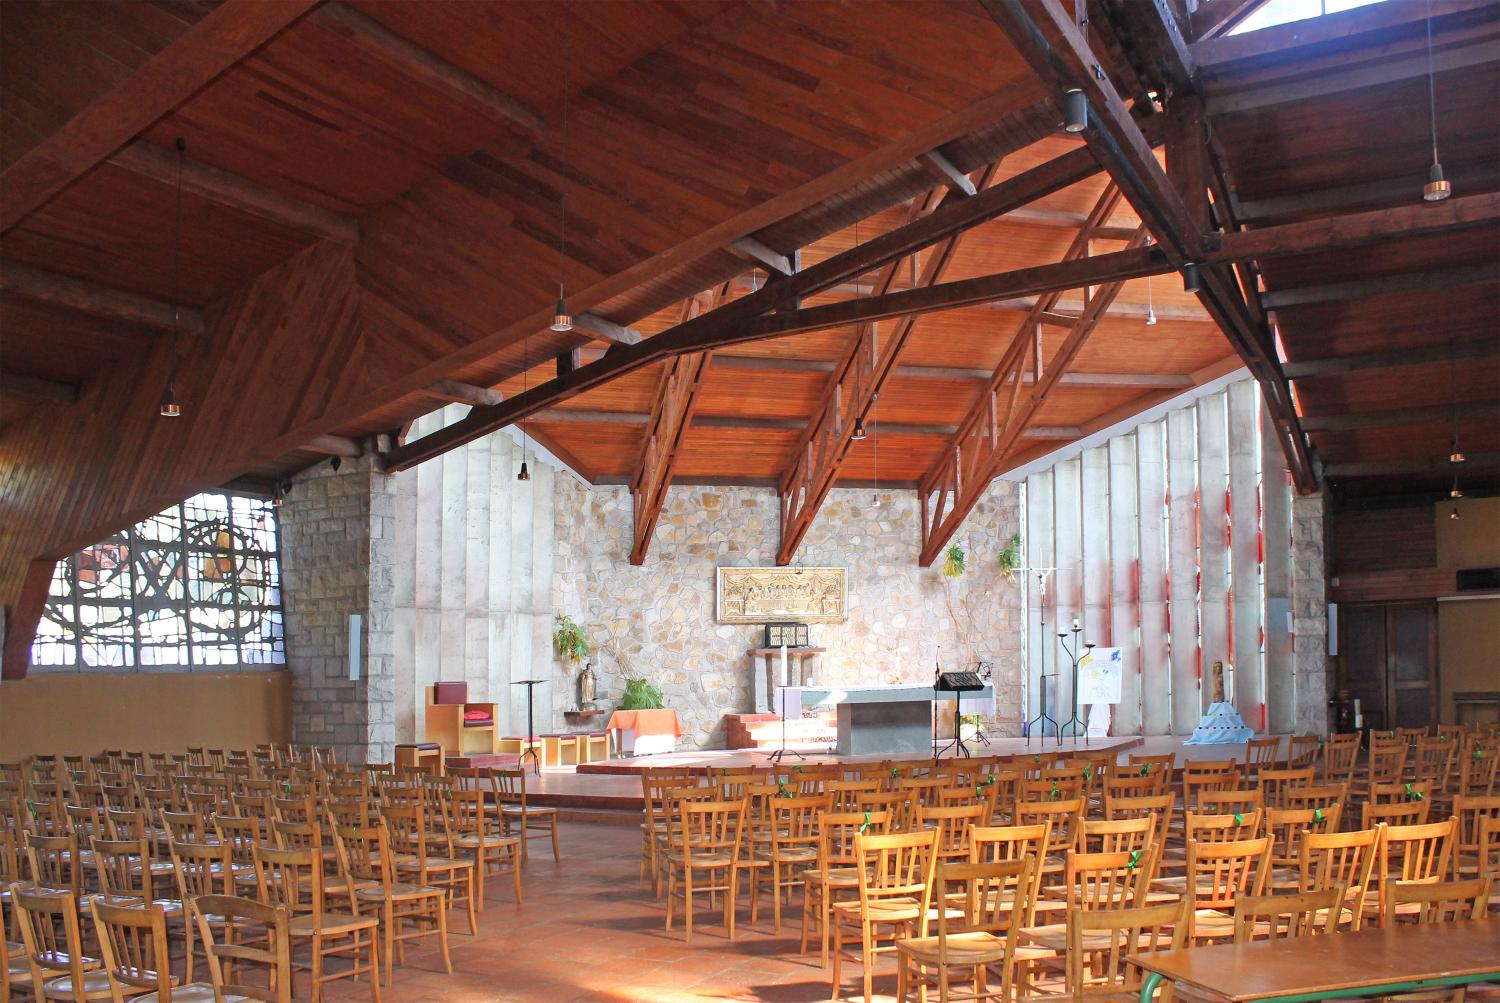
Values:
[(159, 164), (751, 250), (223, 37), (1386, 285), (1356, 229), (944, 171), (464, 393), (1438, 413), (101, 301), (589, 416), (1415, 465), (375, 39), (334, 445), (31, 387), (1393, 359), (1326, 201), (755, 482), (21, 619), (606, 330)]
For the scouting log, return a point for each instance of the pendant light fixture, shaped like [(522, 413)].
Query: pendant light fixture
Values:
[(170, 407), (278, 495), (1455, 451), (1437, 187), (1190, 279), (1150, 302), (1456, 491), (562, 318), (1075, 111), (859, 429)]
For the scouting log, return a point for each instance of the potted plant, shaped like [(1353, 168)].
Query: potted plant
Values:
[(569, 639), (1010, 557), (640, 695), (954, 561)]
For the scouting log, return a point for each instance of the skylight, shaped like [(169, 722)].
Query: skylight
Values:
[(1276, 12)]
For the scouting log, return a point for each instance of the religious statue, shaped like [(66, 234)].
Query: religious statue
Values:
[(1218, 682), (588, 687)]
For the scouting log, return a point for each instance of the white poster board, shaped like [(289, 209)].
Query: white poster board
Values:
[(1100, 676)]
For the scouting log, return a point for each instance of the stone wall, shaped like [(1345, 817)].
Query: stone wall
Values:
[(333, 549), (1312, 667), (657, 620)]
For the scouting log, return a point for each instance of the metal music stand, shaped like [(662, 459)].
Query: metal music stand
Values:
[(781, 753), (530, 750), (957, 683), (1043, 718)]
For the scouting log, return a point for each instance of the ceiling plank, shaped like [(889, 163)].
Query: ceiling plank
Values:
[(161, 165), (1438, 413), (1414, 465), (1465, 178), (666, 428), (374, 38), (38, 389), (101, 301), (1392, 359), (464, 393), (217, 42)]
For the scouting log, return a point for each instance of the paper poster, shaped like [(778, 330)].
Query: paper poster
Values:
[(1099, 676)]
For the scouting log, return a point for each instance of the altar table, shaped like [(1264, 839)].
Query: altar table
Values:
[(645, 732), (1368, 962), (883, 719)]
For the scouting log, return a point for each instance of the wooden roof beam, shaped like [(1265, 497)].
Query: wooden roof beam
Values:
[(151, 161), (1385, 285), (374, 38), (456, 392), (223, 37), (751, 250), (588, 416), (946, 173), (101, 301), (606, 330), (334, 445), (1414, 465), (50, 391), (1216, 17), (1436, 414), (1424, 355)]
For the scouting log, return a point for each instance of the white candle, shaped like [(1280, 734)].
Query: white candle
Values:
[(1075, 623), (786, 679)]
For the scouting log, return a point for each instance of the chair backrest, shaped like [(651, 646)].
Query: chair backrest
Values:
[(1118, 835), (123, 867), (793, 822), (1284, 915), (894, 866), (1158, 806), (1129, 785), (201, 869), (1317, 796), (953, 825), (188, 826), (1220, 828), (1439, 901), (990, 898), (712, 829), (1275, 783), (1011, 843), (1478, 765), (1400, 791), (1471, 810), (50, 932), (1413, 853), (1207, 775), (837, 832), (1339, 754), (1340, 858), (1386, 760), (1220, 872), (1236, 800), (1064, 816), (1104, 970), (1432, 760), (133, 944), (291, 878), (1286, 826), (251, 939), (1393, 813), (1106, 880), (844, 792), (53, 862), (241, 834), (1261, 753)]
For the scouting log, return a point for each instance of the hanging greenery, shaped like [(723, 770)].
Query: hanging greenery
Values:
[(953, 561), (568, 637), (1010, 557), (640, 695)]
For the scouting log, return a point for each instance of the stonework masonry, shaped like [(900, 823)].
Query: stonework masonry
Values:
[(657, 621), (1311, 664)]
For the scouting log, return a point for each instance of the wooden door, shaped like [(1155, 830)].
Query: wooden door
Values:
[(1388, 661)]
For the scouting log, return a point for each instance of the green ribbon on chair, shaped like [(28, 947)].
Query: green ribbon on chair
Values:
[(796, 768), (1443, 738), (1145, 770), (781, 786), (1036, 759), (865, 825), (1053, 796), (1414, 795), (1320, 742), (1318, 815), (1088, 773), (979, 790), (1135, 858), (1239, 819), (896, 772), (989, 778)]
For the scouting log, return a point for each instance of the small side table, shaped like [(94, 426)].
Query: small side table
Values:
[(425, 756)]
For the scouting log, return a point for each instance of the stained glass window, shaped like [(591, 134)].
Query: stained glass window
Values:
[(196, 585)]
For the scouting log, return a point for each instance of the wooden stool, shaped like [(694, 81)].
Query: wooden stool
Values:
[(424, 756)]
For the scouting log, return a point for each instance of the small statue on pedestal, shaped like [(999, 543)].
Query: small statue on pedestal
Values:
[(588, 687)]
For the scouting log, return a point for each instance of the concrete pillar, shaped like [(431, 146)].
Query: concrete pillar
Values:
[(1312, 667)]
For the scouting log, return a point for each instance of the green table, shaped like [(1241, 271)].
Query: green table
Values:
[(1335, 966)]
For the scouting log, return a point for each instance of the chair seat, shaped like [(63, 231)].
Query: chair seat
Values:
[(892, 910), (531, 809), (838, 877), (1212, 923), (305, 924), (979, 948), (788, 855), (703, 859), (193, 992), (474, 840), (95, 986), (400, 891), (340, 885), (1054, 937)]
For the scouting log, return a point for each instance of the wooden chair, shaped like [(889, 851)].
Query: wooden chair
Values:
[(254, 939), (1065, 818), (1340, 752), (1409, 853), (1118, 835), (126, 880), (479, 831), (53, 940), (242, 835), (1161, 766), (1261, 754), (895, 874), (15, 966), (655, 782), (1286, 826), (988, 844), (1438, 901), (1432, 761), (532, 821), (835, 874), (425, 856), (1207, 775), (1302, 751), (368, 852), (1393, 813), (1344, 859), (709, 845), (134, 947), (952, 825), (293, 880), (1298, 914), (1109, 977), (1233, 801), (1218, 873), (54, 864), (1275, 783), (791, 848), (991, 900), (1471, 810), (1092, 881), (1322, 796), (1157, 806)]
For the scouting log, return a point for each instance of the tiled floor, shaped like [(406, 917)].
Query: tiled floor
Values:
[(588, 931)]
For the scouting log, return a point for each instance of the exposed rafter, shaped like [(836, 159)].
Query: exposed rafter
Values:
[(954, 485), (1416, 465), (1424, 355), (1174, 209), (857, 380), (670, 419), (606, 330), (101, 301), (945, 172), (223, 37), (464, 393), (334, 445), (1388, 285), (751, 250), (1215, 17), (160, 164), (1434, 414), (37, 389), (372, 37)]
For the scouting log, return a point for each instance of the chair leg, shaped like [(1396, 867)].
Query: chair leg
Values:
[(867, 955), (556, 854), (671, 896), (317, 969), (442, 918), (730, 898), (374, 935), (515, 867), (388, 920), (776, 895), (479, 863), (687, 903), (838, 953), (473, 918)]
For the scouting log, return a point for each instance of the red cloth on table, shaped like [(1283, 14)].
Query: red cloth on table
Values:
[(646, 722)]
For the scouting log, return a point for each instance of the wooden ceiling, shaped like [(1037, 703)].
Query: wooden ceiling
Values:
[(370, 218)]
